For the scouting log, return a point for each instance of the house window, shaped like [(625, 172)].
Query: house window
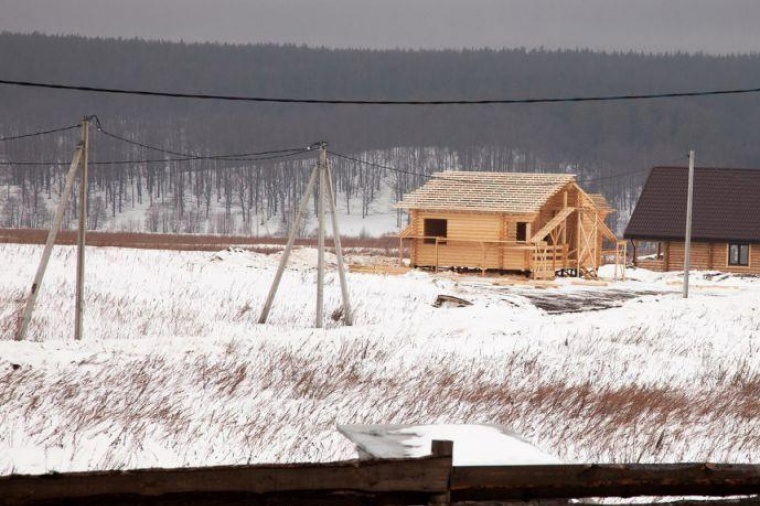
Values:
[(738, 254), (522, 231), (435, 228)]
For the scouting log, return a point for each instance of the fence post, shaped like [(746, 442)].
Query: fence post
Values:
[(443, 449)]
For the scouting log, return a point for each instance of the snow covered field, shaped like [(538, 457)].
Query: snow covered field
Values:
[(174, 370)]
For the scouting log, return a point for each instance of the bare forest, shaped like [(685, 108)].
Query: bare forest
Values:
[(217, 174)]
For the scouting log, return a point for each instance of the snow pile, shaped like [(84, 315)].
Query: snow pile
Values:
[(475, 445)]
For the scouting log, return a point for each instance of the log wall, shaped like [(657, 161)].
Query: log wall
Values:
[(709, 257), (466, 230), (473, 227)]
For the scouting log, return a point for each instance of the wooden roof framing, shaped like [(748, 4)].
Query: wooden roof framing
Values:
[(510, 192), (600, 202)]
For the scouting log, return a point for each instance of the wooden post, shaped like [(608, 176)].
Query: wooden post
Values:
[(625, 258), (442, 449), (37, 283), (579, 214), (347, 316), (596, 249), (554, 257), (436, 254), (483, 264), (564, 233), (666, 257), (687, 244), (79, 308), (565, 254), (320, 242), (288, 246)]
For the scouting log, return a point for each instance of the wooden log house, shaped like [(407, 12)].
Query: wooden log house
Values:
[(541, 224), (725, 226)]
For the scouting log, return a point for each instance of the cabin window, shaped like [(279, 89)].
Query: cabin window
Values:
[(522, 231), (435, 228), (738, 254)]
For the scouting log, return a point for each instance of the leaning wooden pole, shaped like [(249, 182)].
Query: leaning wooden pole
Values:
[(79, 310), (347, 316), (291, 239), (37, 283)]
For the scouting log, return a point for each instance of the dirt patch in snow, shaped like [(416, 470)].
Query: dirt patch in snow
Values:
[(559, 302)]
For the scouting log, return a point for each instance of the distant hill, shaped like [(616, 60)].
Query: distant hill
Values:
[(599, 141)]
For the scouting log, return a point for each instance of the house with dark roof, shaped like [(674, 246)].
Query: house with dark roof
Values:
[(536, 223), (725, 226)]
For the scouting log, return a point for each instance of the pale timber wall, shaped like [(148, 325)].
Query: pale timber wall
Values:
[(484, 226), (710, 256), (460, 226), (514, 259), (470, 226)]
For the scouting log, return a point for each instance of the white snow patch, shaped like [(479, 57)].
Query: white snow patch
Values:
[(475, 445)]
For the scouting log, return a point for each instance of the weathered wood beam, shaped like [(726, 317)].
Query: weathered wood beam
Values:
[(606, 480), (371, 479)]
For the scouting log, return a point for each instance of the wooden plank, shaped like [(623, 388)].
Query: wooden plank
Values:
[(392, 270), (552, 224), (606, 480), (588, 282), (428, 475)]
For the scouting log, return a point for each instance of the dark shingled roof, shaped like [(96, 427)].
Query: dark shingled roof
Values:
[(726, 205)]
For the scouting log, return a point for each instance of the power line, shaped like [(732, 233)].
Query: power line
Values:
[(183, 157), (614, 176), (37, 134), (220, 158), (243, 98), (458, 179), (241, 156)]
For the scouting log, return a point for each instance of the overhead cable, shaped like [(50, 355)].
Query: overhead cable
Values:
[(244, 98), (240, 156), (37, 134), (221, 158), (460, 179)]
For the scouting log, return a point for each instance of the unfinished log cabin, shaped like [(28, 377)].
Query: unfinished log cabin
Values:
[(541, 224), (725, 225)]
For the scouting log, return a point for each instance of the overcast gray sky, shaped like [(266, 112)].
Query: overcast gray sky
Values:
[(715, 26)]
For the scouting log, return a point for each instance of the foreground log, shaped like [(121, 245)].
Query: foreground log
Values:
[(604, 480), (408, 481)]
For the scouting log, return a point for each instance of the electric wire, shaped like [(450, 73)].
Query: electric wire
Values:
[(464, 180), (240, 156), (52, 163), (244, 98), (37, 134)]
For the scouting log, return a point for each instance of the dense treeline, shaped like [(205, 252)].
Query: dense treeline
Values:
[(599, 141)]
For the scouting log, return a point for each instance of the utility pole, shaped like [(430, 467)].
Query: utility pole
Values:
[(689, 210), (26, 316), (322, 165), (321, 174), (347, 316), (79, 310)]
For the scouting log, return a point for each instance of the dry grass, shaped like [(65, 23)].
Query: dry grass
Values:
[(386, 245), (270, 403)]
